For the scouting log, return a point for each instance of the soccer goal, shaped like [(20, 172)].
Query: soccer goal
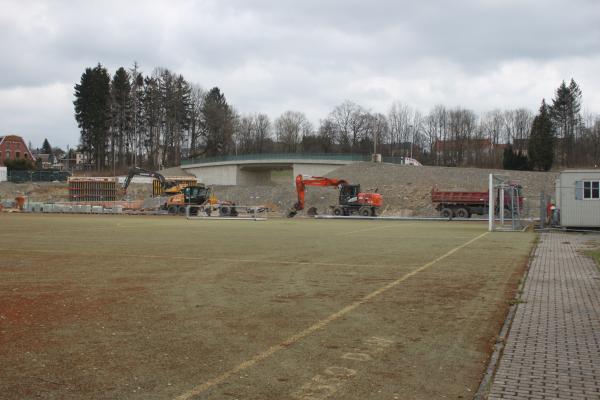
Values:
[(505, 204)]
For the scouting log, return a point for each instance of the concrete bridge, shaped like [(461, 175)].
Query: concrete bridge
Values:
[(256, 169)]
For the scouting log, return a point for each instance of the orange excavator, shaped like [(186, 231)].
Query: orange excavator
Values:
[(351, 199)]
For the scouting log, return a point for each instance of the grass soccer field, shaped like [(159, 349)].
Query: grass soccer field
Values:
[(132, 307)]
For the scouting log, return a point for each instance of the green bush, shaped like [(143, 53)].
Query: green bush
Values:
[(21, 164)]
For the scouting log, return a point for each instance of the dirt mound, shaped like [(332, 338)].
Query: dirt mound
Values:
[(405, 189)]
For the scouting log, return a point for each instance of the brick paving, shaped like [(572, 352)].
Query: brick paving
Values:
[(553, 347)]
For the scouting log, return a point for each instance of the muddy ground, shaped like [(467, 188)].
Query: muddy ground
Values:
[(132, 307)]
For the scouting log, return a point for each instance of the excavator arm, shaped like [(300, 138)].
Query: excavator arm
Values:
[(304, 180), (143, 172)]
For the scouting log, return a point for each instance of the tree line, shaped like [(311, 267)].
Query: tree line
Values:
[(157, 120)]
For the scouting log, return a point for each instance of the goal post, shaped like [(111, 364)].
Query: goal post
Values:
[(504, 202)]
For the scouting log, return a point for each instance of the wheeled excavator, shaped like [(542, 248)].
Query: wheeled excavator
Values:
[(351, 199), (179, 194)]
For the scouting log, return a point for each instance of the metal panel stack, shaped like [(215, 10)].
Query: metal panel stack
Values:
[(93, 189)]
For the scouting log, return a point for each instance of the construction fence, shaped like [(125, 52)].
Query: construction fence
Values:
[(17, 176)]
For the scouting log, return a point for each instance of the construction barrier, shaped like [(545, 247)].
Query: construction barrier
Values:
[(93, 189), (18, 176)]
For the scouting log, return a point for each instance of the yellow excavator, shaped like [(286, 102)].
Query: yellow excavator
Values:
[(179, 194)]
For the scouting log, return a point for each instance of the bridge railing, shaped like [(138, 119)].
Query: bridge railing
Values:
[(279, 156)]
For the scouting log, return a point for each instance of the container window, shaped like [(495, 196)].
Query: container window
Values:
[(591, 190)]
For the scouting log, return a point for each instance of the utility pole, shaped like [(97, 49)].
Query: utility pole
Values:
[(412, 139)]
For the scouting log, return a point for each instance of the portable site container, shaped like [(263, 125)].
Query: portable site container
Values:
[(578, 197)]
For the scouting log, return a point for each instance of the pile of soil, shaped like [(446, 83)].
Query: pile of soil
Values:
[(405, 189)]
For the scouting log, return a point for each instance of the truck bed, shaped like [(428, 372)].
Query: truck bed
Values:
[(459, 197)]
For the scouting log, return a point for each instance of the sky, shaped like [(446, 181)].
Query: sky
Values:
[(308, 56)]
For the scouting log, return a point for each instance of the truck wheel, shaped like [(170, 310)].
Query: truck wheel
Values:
[(507, 213), (446, 212), (462, 213), (365, 211), (172, 210), (181, 210), (224, 211), (338, 211)]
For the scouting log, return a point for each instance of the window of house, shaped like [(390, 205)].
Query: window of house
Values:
[(17, 155), (8, 154), (591, 189), (25, 156)]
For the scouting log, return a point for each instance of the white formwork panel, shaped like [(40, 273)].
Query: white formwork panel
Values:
[(3, 174)]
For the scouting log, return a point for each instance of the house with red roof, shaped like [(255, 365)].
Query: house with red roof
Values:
[(13, 147)]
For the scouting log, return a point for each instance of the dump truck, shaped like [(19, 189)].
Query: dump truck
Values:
[(459, 204)]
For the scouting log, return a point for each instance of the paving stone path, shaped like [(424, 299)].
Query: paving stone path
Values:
[(553, 348)]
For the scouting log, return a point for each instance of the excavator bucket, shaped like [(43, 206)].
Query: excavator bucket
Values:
[(291, 213)]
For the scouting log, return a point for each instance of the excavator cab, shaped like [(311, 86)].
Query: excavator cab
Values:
[(196, 194), (349, 194)]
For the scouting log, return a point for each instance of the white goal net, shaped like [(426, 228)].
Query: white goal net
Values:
[(505, 204)]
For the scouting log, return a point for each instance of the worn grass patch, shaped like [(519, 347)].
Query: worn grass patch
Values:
[(148, 307)]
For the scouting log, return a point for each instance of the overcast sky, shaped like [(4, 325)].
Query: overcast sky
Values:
[(308, 55)]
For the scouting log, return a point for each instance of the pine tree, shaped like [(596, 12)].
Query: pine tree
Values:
[(138, 128), (514, 160), (217, 123), (46, 148), (92, 112), (565, 114), (121, 116), (541, 140)]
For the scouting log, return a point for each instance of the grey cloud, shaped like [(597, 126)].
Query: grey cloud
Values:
[(308, 55)]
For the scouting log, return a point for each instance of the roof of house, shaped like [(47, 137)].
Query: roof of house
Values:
[(17, 138), (43, 157)]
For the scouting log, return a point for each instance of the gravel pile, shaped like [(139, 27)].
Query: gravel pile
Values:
[(405, 189)]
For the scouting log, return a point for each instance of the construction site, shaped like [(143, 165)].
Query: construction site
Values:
[(364, 283)]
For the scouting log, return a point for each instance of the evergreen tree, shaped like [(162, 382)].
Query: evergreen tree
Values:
[(151, 103), (514, 160), (217, 120), (92, 112), (541, 140), (565, 114), (138, 128), (46, 148), (121, 117)]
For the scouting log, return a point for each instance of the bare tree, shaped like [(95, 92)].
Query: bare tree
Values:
[(289, 129), (350, 122)]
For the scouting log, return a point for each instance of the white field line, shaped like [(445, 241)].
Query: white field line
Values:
[(319, 325)]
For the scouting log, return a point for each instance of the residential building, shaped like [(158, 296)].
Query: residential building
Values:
[(13, 147)]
